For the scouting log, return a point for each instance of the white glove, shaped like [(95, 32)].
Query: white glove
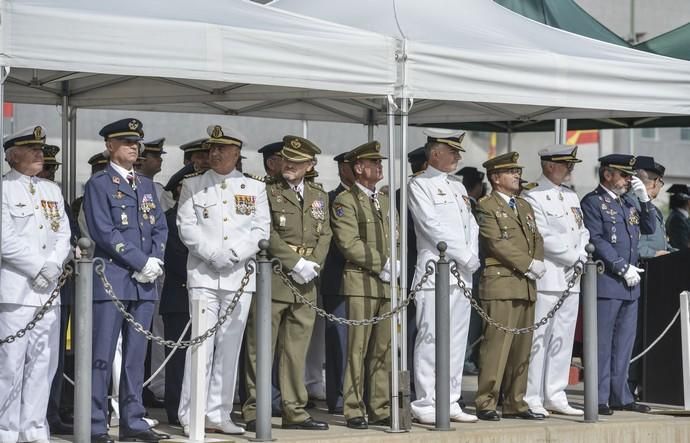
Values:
[(385, 276), (222, 259), (40, 283), (310, 270), (51, 271), (152, 269), (473, 264), (531, 276), (632, 275), (387, 267), (141, 278), (297, 278), (639, 189), (537, 268)]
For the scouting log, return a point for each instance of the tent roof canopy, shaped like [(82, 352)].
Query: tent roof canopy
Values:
[(675, 43)]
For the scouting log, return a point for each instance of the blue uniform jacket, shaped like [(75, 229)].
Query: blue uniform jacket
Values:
[(614, 230), (128, 227)]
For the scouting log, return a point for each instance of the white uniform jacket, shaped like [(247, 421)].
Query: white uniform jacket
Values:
[(221, 212), (441, 211), (559, 219), (35, 229)]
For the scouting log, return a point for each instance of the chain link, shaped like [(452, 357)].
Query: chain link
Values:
[(577, 269), (99, 267), (66, 273), (277, 268)]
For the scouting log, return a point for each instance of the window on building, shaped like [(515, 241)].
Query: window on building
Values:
[(685, 134), (648, 133)]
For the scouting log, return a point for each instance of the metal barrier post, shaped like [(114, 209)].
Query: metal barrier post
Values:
[(83, 334), (442, 332), (589, 354), (264, 357), (197, 386), (685, 342)]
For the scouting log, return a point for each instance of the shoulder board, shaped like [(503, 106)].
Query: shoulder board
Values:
[(315, 185), (530, 186), (454, 177), (193, 174), (270, 180), (417, 174), (100, 173), (484, 198), (254, 177)]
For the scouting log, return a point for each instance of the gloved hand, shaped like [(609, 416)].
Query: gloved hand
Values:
[(385, 276), (639, 189), (141, 278), (537, 268), (40, 283), (297, 278), (152, 269), (51, 271), (632, 275), (473, 264), (223, 258), (531, 275), (307, 270)]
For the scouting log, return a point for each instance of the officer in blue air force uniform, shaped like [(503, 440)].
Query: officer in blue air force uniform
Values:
[(614, 227), (125, 221)]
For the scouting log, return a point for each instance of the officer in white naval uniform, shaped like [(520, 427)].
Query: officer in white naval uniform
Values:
[(441, 211), (35, 245), (559, 219), (221, 218)]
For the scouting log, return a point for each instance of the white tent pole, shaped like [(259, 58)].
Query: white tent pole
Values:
[(403, 228), (72, 154), (4, 72), (305, 128), (66, 168), (394, 406), (560, 130)]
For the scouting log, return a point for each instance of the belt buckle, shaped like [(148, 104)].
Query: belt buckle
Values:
[(301, 250)]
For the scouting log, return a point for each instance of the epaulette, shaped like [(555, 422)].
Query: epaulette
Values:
[(270, 180), (193, 174), (101, 172), (255, 177), (315, 185), (484, 198), (342, 192), (530, 186), (454, 178), (417, 174)]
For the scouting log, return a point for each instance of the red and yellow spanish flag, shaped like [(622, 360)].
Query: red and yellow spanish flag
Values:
[(582, 137)]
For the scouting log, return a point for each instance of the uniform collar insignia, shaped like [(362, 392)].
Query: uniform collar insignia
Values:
[(20, 205), (116, 179)]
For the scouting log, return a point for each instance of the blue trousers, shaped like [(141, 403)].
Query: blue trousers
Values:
[(107, 323), (616, 326)]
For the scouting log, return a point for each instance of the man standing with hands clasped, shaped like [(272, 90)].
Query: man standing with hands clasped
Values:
[(559, 219), (614, 227), (441, 211), (125, 220), (514, 260)]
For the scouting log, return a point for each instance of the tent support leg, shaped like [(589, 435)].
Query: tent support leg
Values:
[(66, 168), (72, 154)]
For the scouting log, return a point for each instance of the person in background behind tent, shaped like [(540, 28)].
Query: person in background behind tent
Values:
[(678, 223)]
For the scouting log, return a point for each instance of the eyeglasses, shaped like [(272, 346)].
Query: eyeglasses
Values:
[(660, 180)]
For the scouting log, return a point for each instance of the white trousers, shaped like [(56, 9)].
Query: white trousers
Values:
[(222, 356), (425, 349), (552, 347), (27, 368)]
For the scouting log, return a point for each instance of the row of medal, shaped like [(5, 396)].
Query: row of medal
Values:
[(51, 213)]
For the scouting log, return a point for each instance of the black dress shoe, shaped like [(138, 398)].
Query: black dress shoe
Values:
[(382, 422), (148, 435), (250, 426), (634, 407), (526, 415), (605, 410), (489, 415), (102, 438), (357, 423), (308, 425), (60, 428)]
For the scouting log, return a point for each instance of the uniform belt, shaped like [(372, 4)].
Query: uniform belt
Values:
[(302, 250)]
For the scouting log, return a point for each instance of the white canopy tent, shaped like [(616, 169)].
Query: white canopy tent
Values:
[(479, 61)]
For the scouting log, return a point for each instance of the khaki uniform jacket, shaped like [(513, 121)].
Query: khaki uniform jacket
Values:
[(363, 236), (510, 242), (297, 231)]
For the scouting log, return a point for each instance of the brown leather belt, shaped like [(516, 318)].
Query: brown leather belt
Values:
[(302, 250)]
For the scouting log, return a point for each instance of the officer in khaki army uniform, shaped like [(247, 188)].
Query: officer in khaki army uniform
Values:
[(361, 230), (513, 259), (300, 237)]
